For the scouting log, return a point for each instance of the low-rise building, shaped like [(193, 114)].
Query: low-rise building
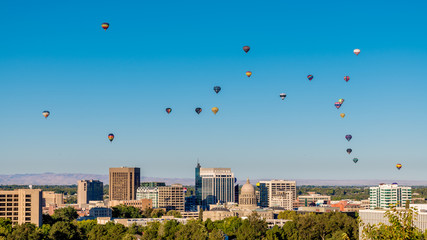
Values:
[(100, 212), (141, 203), (313, 199), (52, 198), (148, 193)]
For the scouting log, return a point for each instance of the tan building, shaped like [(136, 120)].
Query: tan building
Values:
[(247, 198), (141, 203), (269, 189), (52, 198), (89, 190), (313, 199), (124, 182), (172, 197), (22, 206), (282, 199)]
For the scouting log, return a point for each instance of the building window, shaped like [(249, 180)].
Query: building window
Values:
[(28, 204), (28, 219), (28, 209)]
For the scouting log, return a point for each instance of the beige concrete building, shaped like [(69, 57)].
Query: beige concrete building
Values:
[(89, 190), (282, 199), (141, 203), (313, 199), (247, 197), (22, 206), (272, 188), (52, 198), (124, 182), (172, 197)]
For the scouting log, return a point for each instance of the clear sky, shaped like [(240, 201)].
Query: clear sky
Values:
[(55, 56)]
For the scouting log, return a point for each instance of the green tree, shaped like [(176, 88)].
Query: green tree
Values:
[(98, 232), (5, 227), (174, 213), (64, 231), (290, 215), (115, 231), (401, 226), (122, 211), (216, 234), (252, 228), (67, 214), (157, 213), (276, 233), (26, 231), (85, 227), (168, 229), (193, 230), (150, 231)]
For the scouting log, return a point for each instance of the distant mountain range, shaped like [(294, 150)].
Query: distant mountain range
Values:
[(72, 178)]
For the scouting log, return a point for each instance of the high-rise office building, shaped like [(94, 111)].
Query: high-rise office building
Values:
[(89, 190), (148, 193), (124, 182), (22, 206), (172, 197), (268, 189), (217, 186), (386, 195), (198, 185)]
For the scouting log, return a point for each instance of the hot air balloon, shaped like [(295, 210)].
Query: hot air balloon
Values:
[(349, 150), (215, 110), (168, 110), (346, 78), (342, 115), (348, 137), (398, 166), (356, 51), (338, 105), (355, 160), (310, 77), (282, 96), (198, 110), (217, 89), (111, 137), (105, 26), (248, 73), (246, 49), (46, 114), (341, 100)]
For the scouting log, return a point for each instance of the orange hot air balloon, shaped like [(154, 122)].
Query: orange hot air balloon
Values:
[(215, 110), (248, 73), (111, 137), (356, 51), (105, 26), (342, 115), (46, 114)]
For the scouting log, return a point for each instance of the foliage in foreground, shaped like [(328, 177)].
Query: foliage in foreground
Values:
[(63, 226)]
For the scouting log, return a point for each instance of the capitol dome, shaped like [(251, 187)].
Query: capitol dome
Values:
[(247, 188), (247, 196)]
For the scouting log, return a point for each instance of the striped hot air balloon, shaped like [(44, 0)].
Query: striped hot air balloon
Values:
[(105, 26), (248, 73), (398, 166), (111, 137), (46, 114), (310, 77), (168, 110), (346, 78)]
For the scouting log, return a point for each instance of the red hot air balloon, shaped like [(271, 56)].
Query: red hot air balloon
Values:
[(168, 110), (398, 166), (246, 49), (46, 114), (346, 78), (111, 137), (105, 26), (338, 105), (310, 77)]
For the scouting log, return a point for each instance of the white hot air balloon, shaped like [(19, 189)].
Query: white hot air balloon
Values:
[(356, 51)]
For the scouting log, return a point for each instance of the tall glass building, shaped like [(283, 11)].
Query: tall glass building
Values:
[(148, 193), (217, 186), (198, 184), (386, 195)]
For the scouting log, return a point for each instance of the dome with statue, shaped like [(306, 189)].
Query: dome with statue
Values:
[(247, 196)]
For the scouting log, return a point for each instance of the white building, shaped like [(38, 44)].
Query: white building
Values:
[(377, 216), (269, 189), (385, 195), (282, 199), (148, 193)]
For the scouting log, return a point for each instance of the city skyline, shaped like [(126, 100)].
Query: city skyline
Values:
[(120, 81)]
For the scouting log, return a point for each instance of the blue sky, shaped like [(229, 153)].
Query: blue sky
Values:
[(55, 56)]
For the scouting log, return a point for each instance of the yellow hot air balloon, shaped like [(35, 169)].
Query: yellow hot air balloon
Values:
[(215, 110), (248, 73), (342, 115)]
